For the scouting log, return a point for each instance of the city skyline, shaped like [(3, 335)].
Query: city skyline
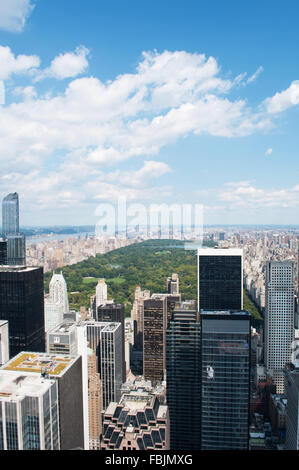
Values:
[(202, 111)]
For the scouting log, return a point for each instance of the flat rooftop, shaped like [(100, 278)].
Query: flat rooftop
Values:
[(53, 364), (224, 312), (15, 385), (220, 251), (19, 269)]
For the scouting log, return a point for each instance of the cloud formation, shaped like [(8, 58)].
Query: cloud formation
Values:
[(14, 14), (59, 148)]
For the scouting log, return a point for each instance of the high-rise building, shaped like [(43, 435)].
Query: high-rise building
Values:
[(111, 352), (3, 251), (58, 291), (183, 376), (137, 315), (66, 372), (29, 412), (4, 342), (279, 319), (16, 249), (94, 402), (225, 379), (63, 339), (220, 279), (22, 305), (172, 284), (101, 293), (154, 338), (137, 422), (292, 415), (111, 312), (10, 214)]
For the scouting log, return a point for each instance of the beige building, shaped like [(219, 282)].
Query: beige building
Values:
[(94, 401)]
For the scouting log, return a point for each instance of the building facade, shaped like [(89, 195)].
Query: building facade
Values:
[(225, 379)]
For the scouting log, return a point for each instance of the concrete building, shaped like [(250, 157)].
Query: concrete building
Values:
[(94, 401), (29, 412), (101, 293), (279, 319), (137, 422), (292, 412), (4, 342), (66, 371), (173, 284)]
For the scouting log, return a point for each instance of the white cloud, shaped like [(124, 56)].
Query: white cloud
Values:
[(68, 65), (92, 125), (268, 152), (253, 77), (11, 64), (14, 14), (283, 100)]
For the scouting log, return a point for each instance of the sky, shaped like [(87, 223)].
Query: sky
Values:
[(157, 102)]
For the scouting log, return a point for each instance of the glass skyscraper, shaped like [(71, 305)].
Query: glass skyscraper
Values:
[(220, 279), (225, 379), (183, 376), (10, 214), (16, 250)]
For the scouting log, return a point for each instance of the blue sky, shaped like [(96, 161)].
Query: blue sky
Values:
[(160, 102)]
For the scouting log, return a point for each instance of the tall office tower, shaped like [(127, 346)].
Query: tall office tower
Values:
[(183, 377), (29, 412), (279, 319), (225, 377), (220, 279), (66, 371), (94, 402), (53, 314), (137, 315), (22, 305), (112, 312), (10, 214), (137, 422), (58, 291), (3, 251), (4, 342), (292, 416), (111, 362), (101, 293), (172, 284), (16, 250), (154, 338)]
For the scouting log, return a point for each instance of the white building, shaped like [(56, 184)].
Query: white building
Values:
[(279, 319), (56, 303), (4, 342), (101, 293)]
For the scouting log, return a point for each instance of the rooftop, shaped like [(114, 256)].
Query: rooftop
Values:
[(14, 386), (225, 312), (53, 364)]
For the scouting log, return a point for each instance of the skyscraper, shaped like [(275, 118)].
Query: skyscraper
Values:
[(183, 376), (112, 312), (172, 284), (22, 305), (10, 214), (4, 342), (292, 416), (154, 338), (3, 251), (279, 319), (101, 293), (58, 291), (225, 379), (220, 279), (16, 250)]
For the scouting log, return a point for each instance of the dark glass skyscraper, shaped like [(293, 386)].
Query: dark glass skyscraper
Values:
[(22, 304), (183, 377), (220, 279), (225, 379), (3, 251)]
